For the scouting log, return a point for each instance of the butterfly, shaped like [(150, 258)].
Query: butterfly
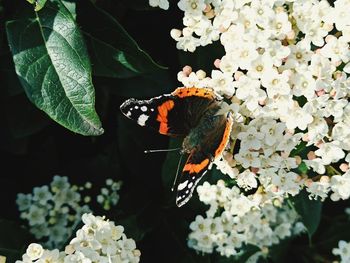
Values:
[(191, 113)]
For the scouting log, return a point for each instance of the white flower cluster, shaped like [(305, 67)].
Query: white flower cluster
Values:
[(109, 195), (234, 220), (285, 76), (99, 241), (53, 211), (343, 250)]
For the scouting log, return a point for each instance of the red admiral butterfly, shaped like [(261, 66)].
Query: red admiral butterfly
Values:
[(190, 113)]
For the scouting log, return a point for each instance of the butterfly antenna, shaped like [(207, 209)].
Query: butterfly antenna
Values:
[(161, 150), (177, 172)]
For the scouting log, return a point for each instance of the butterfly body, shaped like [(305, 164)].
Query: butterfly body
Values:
[(190, 113)]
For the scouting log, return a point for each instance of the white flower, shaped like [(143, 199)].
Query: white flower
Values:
[(34, 251), (223, 165), (244, 54), (340, 133), (249, 90), (316, 164), (192, 7), (163, 4), (193, 80), (228, 64), (239, 206), (289, 142), (251, 139), (77, 257), (280, 25), (230, 38), (340, 185), (297, 117), (286, 182), (42, 194), (276, 83), (322, 68), (52, 212), (240, 223), (200, 224), (300, 55), (339, 15), (283, 230), (225, 14), (262, 12), (98, 240), (247, 180), (337, 49), (343, 250), (246, 87), (24, 201), (303, 84), (206, 192), (248, 159), (59, 183), (36, 215), (277, 52), (330, 152), (319, 189), (273, 132), (317, 130), (316, 33), (222, 83), (260, 66)]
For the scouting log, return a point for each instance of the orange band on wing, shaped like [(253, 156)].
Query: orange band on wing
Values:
[(199, 92), (162, 117), (196, 168), (225, 137)]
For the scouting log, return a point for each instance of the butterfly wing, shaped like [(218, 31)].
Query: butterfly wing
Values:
[(200, 158), (172, 114)]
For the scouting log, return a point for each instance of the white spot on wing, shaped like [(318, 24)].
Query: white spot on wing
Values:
[(142, 119), (128, 114), (182, 186), (190, 184), (144, 108)]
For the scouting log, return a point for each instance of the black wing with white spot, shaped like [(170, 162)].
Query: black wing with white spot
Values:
[(172, 114)]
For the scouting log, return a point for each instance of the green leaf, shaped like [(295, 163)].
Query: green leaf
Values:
[(53, 66), (303, 168), (300, 149), (309, 211), (113, 51), (39, 4), (245, 253)]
